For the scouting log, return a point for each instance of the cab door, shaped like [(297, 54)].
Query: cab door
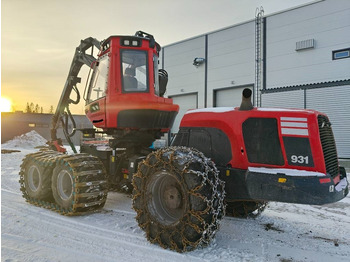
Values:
[(95, 108)]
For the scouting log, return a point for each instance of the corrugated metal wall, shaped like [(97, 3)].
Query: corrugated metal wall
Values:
[(334, 101), (288, 99)]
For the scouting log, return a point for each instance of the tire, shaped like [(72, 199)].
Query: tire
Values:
[(245, 209), (37, 181), (179, 198), (79, 184), (63, 186)]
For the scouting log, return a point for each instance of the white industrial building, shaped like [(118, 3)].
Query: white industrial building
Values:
[(298, 58)]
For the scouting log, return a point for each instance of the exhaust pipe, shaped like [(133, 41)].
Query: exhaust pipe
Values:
[(246, 100)]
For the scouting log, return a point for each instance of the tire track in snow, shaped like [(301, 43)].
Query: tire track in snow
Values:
[(91, 237)]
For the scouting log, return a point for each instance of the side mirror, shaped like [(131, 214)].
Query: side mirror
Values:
[(163, 81)]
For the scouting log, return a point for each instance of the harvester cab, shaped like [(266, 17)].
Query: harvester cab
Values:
[(125, 89)]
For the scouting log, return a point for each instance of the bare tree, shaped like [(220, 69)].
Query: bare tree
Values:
[(37, 109), (28, 110), (31, 108)]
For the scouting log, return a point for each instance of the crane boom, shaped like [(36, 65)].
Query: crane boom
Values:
[(62, 111)]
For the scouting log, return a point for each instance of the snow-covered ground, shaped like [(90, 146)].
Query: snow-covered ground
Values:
[(284, 232)]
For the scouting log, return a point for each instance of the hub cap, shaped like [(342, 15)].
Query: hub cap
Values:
[(166, 202), (64, 185), (34, 178)]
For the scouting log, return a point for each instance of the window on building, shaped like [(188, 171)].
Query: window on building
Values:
[(340, 54)]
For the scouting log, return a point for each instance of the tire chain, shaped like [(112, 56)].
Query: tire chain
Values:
[(88, 172), (205, 222)]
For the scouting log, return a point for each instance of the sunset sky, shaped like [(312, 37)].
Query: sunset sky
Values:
[(38, 37)]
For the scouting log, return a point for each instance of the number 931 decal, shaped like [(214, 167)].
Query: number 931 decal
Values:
[(299, 159), (298, 151)]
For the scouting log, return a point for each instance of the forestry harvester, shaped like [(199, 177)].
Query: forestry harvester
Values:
[(231, 160)]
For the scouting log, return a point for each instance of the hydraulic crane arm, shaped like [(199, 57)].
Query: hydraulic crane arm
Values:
[(62, 112)]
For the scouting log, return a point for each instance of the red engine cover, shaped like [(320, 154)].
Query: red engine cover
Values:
[(293, 128)]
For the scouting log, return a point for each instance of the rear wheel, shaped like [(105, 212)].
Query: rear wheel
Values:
[(37, 181), (67, 184), (178, 198), (79, 184), (63, 186), (245, 209)]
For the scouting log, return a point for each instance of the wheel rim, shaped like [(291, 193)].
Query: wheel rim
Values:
[(34, 178), (64, 185), (166, 203)]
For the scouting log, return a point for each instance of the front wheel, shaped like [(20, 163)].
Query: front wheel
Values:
[(179, 198)]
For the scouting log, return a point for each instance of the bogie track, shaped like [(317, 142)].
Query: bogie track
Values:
[(67, 184)]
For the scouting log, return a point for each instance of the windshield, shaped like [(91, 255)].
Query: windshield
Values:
[(135, 71), (99, 80)]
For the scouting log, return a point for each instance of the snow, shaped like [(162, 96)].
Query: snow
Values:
[(341, 185), (284, 171), (28, 141), (284, 232), (228, 109), (211, 110), (275, 109)]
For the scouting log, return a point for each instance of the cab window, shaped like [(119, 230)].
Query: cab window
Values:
[(155, 75), (99, 80), (134, 71)]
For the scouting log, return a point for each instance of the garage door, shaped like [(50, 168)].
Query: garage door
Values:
[(230, 97), (334, 101), (186, 102)]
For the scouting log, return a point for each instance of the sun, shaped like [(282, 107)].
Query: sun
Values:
[(5, 105)]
